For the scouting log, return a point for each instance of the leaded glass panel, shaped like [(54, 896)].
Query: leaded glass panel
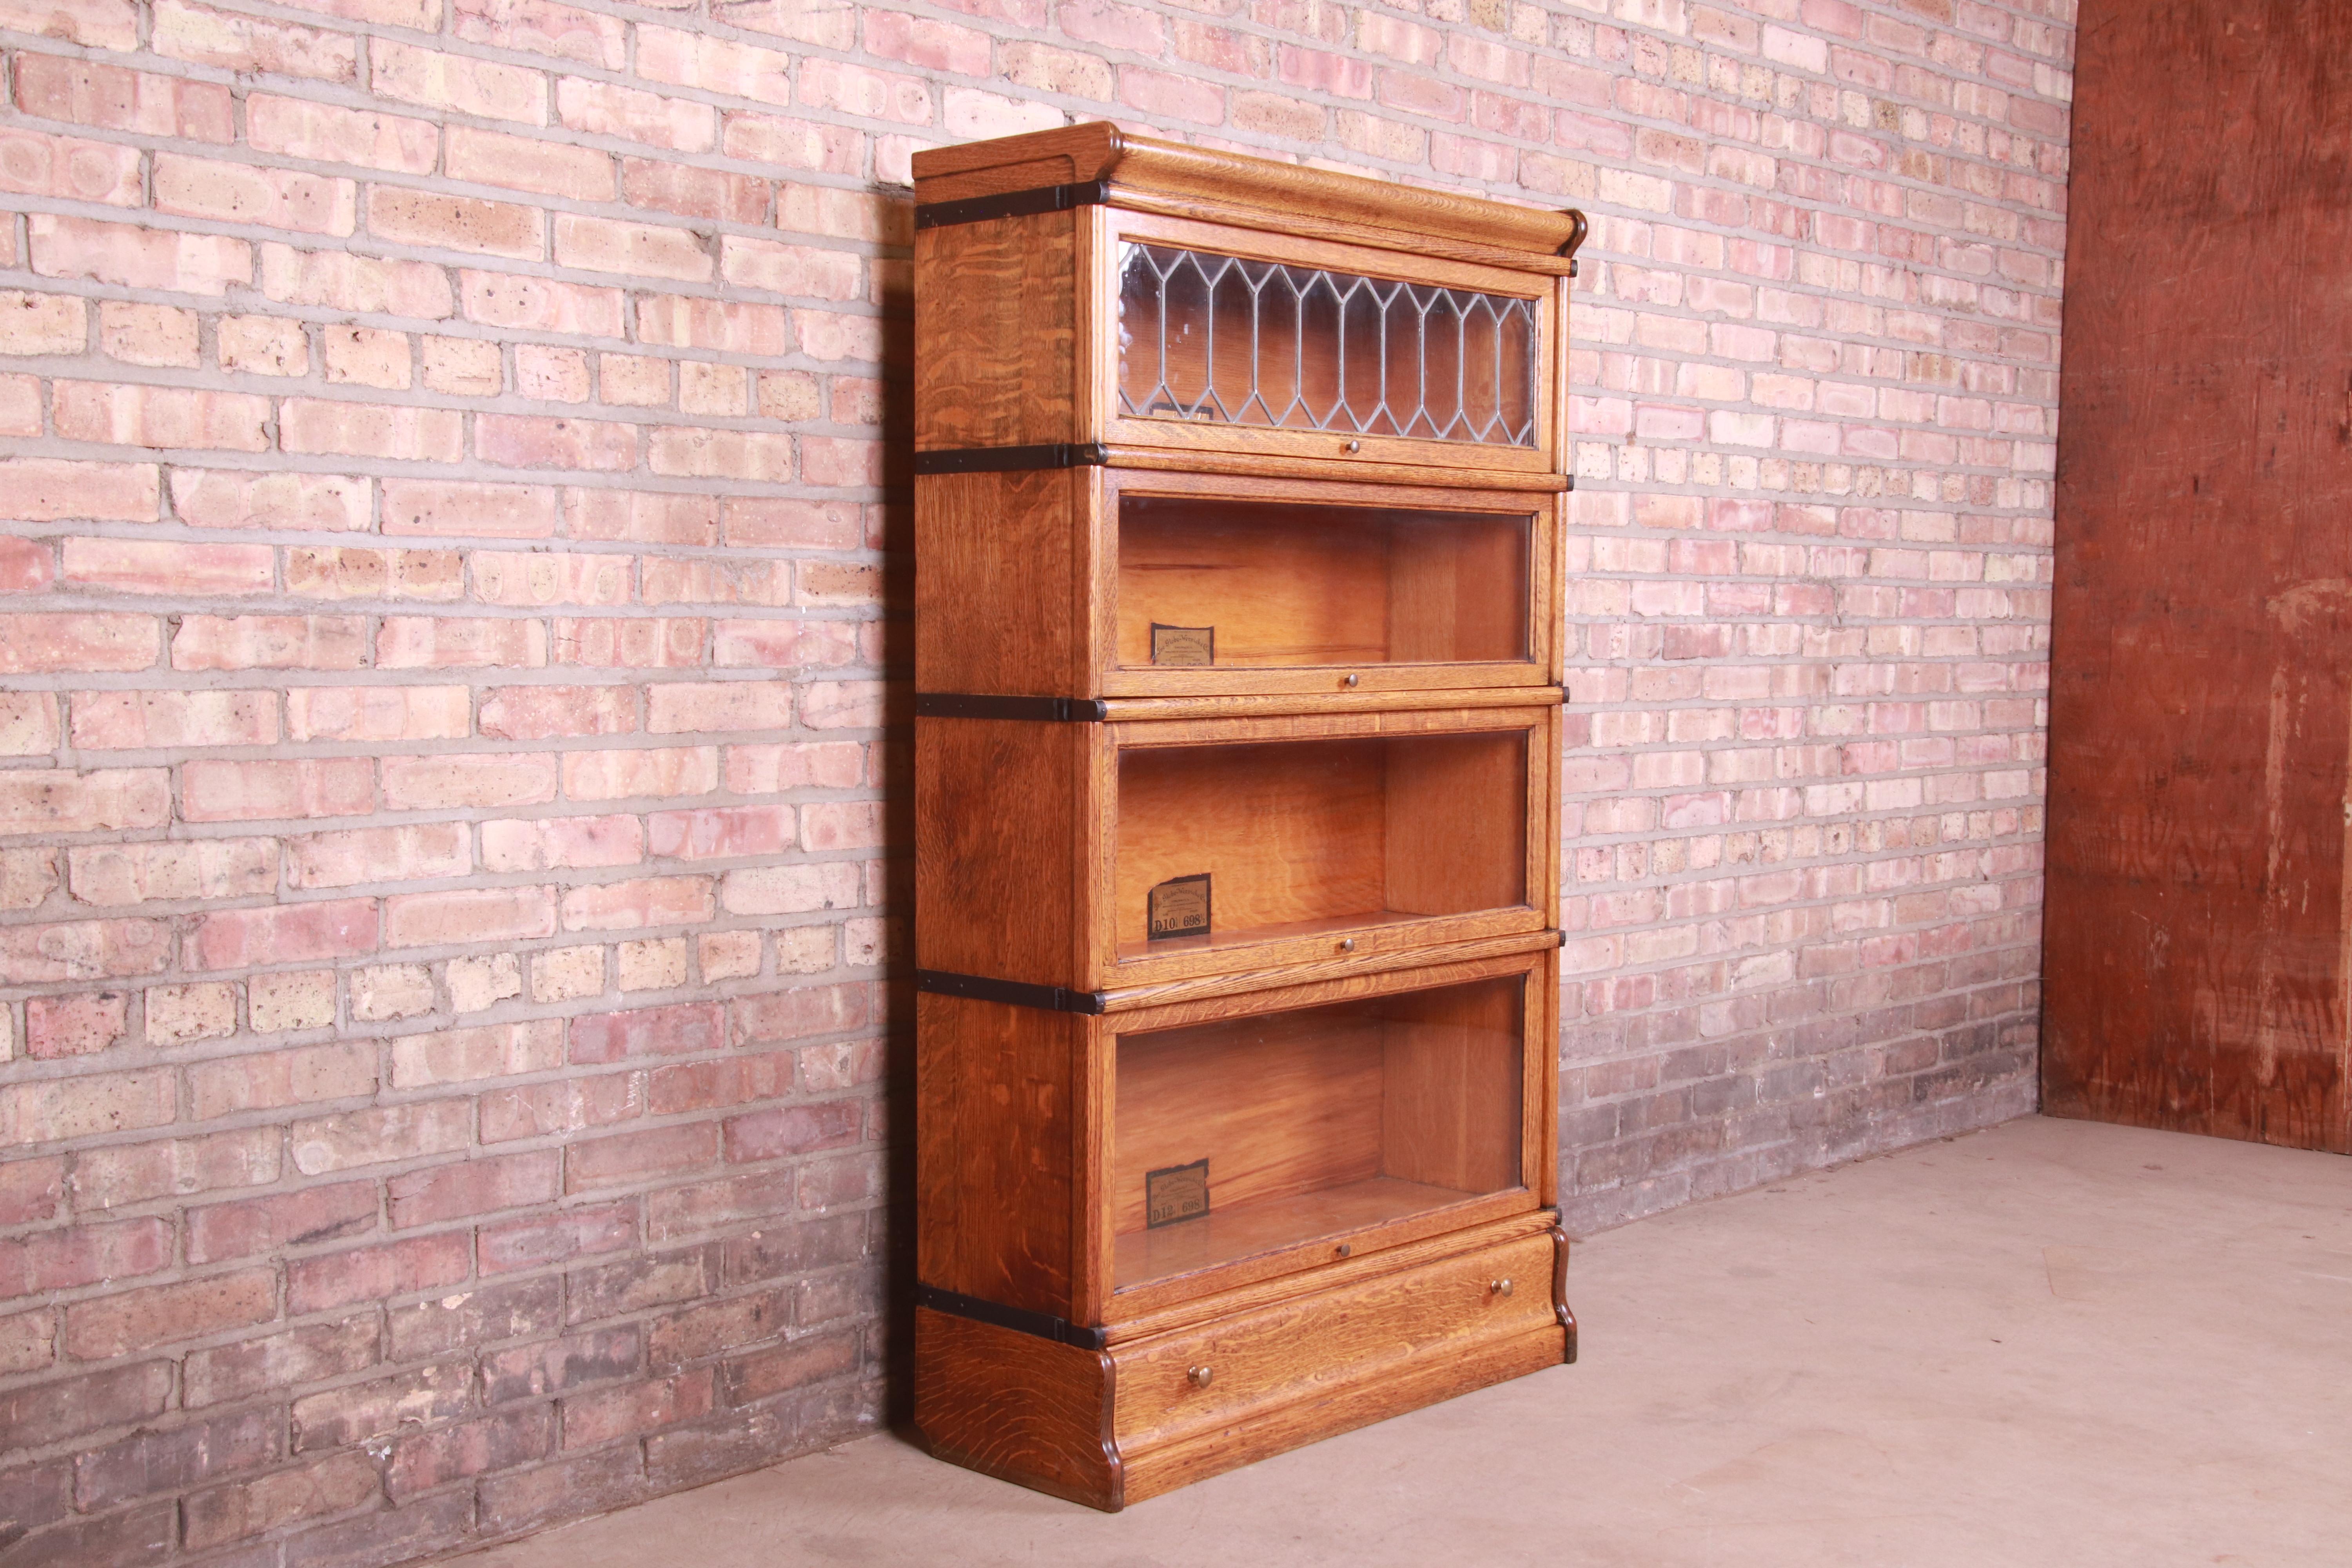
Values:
[(1223, 340)]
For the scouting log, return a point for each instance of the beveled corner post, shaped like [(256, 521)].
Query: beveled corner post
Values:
[(1238, 651)]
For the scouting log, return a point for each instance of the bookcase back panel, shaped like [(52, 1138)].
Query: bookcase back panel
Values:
[(1296, 836), (1286, 1127), (1226, 582)]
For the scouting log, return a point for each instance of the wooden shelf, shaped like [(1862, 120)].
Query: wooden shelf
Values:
[(1226, 1235)]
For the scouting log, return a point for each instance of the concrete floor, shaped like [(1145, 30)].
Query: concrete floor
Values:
[(2047, 1343)]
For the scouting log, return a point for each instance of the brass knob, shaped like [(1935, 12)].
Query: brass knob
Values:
[(1200, 1375), (1499, 1287), (1347, 944), (1348, 680), (1343, 1249)]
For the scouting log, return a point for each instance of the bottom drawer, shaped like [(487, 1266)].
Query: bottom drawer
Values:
[(1302, 1368)]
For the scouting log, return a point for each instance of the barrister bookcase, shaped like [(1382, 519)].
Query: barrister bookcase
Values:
[(1237, 829)]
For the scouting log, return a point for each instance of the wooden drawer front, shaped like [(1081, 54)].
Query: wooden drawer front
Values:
[(1319, 1345)]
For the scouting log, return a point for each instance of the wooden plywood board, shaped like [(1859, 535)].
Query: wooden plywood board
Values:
[(2199, 696)]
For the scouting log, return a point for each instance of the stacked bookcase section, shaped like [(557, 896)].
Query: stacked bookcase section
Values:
[(1237, 823)]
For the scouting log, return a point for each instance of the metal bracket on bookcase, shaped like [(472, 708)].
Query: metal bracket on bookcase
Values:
[(1012, 459), (1036, 709), (1013, 204), (1021, 1319), (1014, 992)]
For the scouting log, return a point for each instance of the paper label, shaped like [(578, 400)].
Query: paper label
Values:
[(1179, 907), (1175, 1194), (1183, 644)]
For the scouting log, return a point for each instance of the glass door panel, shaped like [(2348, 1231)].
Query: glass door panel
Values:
[(1203, 582), (1224, 845), (1223, 340), (1247, 1135)]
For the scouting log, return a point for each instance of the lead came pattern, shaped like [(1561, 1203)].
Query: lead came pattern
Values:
[(1223, 340)]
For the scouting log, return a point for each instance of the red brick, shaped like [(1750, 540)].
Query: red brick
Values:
[(533, 1242), (724, 1084), (378, 855), (341, 1070), (160, 1314), (490, 779), (281, 1221), (524, 163), (766, 1373), (631, 906), (154, 721), (372, 430), (669, 642), (376, 1273), (691, 192), (220, 791), (347, 1416), (528, 441), (91, 93), (56, 1110), (589, 1483), (541, 28), (76, 1255), (129, 1173), (27, 1343), (379, 713), (68, 168), (31, 1190), (628, 1157), (793, 1129), (269, 642), (638, 249), (540, 304), (174, 1458), (542, 844), (468, 915), (650, 1031), (460, 509), (310, 1354), (323, 133), (463, 82), (558, 1366), (546, 578), (76, 1024), (539, 1110), (280, 199), (537, 712), (336, 1484), (502, 1441), (291, 933), (138, 257), (138, 1534), (720, 832), (475, 1187), (379, 1135), (606, 109), (486, 1314)]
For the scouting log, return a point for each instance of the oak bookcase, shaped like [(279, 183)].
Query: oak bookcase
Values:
[(1238, 668)]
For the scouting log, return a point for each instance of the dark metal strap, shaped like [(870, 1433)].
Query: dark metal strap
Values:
[(1014, 992), (1013, 204), (1036, 709), (1021, 1319), (1012, 459)]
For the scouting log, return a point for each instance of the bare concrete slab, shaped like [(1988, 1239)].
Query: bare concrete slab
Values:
[(2047, 1343)]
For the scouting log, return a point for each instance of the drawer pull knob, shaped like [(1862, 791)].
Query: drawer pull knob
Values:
[(1499, 1287), (1200, 1375), (1349, 680), (1355, 446), (1347, 944), (1343, 1249)]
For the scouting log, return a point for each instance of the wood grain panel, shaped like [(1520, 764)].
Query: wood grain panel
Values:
[(1000, 582), (996, 310), (1456, 825), (998, 848), (1018, 1407), (2200, 709), (997, 1126)]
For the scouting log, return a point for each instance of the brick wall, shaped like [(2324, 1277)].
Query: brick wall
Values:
[(444, 524)]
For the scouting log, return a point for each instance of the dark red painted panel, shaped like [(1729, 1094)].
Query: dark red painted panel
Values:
[(2201, 682)]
